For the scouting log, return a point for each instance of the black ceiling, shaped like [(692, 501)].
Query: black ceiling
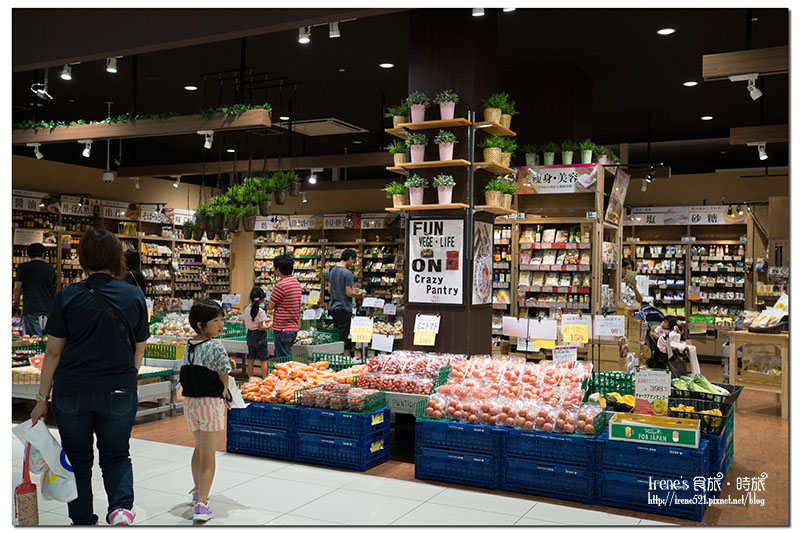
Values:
[(633, 70)]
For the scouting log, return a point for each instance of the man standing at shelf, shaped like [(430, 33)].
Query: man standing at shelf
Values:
[(36, 281), (285, 302), (342, 292)]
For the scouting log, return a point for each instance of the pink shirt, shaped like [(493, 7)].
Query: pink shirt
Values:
[(251, 324)]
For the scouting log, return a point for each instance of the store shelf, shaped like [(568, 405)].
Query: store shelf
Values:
[(737, 258), (501, 285), (493, 168), (557, 268), (560, 290), (495, 210), (427, 207), (494, 128), (555, 305), (555, 245), (402, 130), (502, 266), (429, 164), (501, 242)]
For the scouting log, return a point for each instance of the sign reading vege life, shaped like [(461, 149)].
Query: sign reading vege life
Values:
[(436, 261)]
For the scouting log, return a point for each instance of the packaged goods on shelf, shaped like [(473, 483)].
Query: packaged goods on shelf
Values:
[(268, 252), (304, 338), (271, 237)]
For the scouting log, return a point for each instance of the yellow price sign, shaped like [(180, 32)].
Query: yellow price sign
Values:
[(377, 419), (313, 300), (424, 337), (376, 446), (543, 344), (576, 333), (361, 334)]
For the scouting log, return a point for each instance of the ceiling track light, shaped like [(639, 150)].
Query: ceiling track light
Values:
[(312, 179), (333, 30), (304, 35), (36, 151), (209, 138), (111, 65), (754, 91), (87, 150), (40, 89), (305, 200), (136, 183), (739, 210), (644, 185), (66, 73), (477, 12), (762, 151), (730, 211), (177, 181)]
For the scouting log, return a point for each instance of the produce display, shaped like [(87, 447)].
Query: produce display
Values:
[(383, 328), (699, 384), (406, 372), (287, 378), (173, 325), (338, 397)]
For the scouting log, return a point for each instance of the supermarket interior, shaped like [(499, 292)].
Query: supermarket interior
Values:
[(531, 282)]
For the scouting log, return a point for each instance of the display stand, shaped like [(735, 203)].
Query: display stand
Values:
[(781, 342)]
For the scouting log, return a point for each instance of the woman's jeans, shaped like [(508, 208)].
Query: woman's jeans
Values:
[(109, 415)]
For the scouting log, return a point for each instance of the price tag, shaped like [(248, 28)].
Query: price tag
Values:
[(234, 299), (524, 345), (186, 305), (611, 325), (424, 337), (313, 298), (425, 329), (379, 303), (565, 354), (382, 343), (576, 333), (591, 215), (319, 313), (310, 314), (368, 302), (688, 239), (361, 329), (304, 299), (652, 392), (390, 309), (543, 344)]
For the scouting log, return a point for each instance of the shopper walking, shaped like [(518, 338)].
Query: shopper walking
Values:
[(343, 291), (35, 282), (254, 319), (285, 301), (97, 332), (134, 275), (204, 378)]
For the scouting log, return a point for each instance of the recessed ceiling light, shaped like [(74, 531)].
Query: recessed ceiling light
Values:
[(753, 19), (357, 142), (666, 31), (284, 118), (190, 87), (477, 12), (706, 117), (231, 150), (386, 65), (341, 70), (71, 101), (689, 83), (509, 9), (723, 151)]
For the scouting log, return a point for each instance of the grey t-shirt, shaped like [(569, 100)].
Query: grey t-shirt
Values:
[(210, 354), (341, 278)]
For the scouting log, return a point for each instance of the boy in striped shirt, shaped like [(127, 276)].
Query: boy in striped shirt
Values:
[(285, 301)]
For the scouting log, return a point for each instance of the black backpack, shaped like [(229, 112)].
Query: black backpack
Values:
[(198, 381)]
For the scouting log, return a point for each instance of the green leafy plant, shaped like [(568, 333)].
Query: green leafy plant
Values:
[(492, 141), (189, 224), (202, 210), (497, 100), (509, 145), (509, 187), (247, 210), (416, 139), (282, 178), (550, 147), (445, 137), (227, 209), (397, 111), (510, 108), (587, 145), (602, 150), (495, 185), (418, 98), (446, 96), (444, 180), (397, 147), (416, 181), (395, 187), (232, 110), (531, 148), (569, 146)]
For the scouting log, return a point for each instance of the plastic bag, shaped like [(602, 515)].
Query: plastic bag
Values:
[(58, 480), (234, 395)]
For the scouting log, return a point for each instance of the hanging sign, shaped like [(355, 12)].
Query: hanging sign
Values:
[(25, 237), (272, 223), (379, 303), (574, 326), (658, 216), (33, 201), (368, 302), (234, 299), (525, 345), (310, 314), (425, 329), (382, 343), (390, 309), (652, 392), (349, 221), (617, 198), (565, 354), (313, 298), (151, 213), (186, 305), (305, 222), (373, 220), (705, 215), (74, 206), (609, 326), (181, 216), (557, 179), (319, 313), (118, 210), (436, 261), (482, 264), (361, 329)]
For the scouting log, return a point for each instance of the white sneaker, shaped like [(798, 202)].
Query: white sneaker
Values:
[(202, 512), (121, 517)]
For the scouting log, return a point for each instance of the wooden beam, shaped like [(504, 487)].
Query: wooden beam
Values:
[(373, 159), (763, 61), (776, 133), (183, 125)]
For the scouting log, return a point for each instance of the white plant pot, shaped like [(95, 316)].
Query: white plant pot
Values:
[(586, 157), (549, 158), (532, 160), (566, 158)]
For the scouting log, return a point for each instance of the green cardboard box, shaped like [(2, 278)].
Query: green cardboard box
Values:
[(683, 432)]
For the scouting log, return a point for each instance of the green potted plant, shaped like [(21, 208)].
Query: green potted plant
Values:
[(398, 192), (417, 102), (606, 156), (188, 229), (507, 150), (531, 154), (209, 231), (447, 101), (294, 183), (508, 111), (201, 214), (549, 152), (398, 114), (509, 188), (398, 150), (232, 220), (493, 107), (494, 193), (446, 141), (587, 149), (215, 205), (416, 189), (280, 183), (567, 151), (492, 148), (444, 184), (416, 143), (247, 213)]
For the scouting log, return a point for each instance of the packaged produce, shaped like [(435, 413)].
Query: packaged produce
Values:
[(589, 416)]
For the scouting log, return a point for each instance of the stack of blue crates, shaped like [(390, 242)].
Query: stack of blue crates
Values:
[(262, 429), (720, 452)]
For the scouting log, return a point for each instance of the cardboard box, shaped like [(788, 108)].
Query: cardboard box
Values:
[(667, 431)]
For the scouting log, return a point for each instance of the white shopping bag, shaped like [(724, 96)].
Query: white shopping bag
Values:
[(58, 480), (234, 395)]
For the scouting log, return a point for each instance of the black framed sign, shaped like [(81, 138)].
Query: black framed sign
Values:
[(435, 261)]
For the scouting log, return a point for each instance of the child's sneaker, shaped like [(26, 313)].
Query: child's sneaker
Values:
[(193, 492), (121, 517), (202, 511)]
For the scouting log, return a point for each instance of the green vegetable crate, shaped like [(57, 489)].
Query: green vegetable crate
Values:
[(325, 336), (164, 351), (605, 382)]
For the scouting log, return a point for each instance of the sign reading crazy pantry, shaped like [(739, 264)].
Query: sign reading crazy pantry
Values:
[(436, 257)]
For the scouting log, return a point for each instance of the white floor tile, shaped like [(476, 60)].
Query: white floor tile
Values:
[(145, 468), (258, 466), (225, 514), (394, 487), (483, 502), (52, 519), (146, 504), (180, 481), (434, 514), (167, 452), (357, 508), (294, 520), (578, 517), (271, 494), (139, 445), (532, 522), (645, 522), (316, 475)]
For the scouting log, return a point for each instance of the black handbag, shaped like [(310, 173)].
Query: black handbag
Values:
[(121, 326), (198, 381)]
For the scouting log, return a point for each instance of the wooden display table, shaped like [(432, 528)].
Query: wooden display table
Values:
[(781, 341)]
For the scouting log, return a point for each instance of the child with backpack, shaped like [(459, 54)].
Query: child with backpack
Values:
[(254, 319)]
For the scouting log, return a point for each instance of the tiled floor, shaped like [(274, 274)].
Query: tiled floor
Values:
[(254, 491)]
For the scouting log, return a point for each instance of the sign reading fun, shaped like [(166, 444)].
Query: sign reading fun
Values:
[(436, 261)]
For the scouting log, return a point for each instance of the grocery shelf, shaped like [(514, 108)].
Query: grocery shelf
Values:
[(495, 128), (493, 168), (560, 290), (555, 245), (555, 305), (432, 164), (427, 207), (557, 268)]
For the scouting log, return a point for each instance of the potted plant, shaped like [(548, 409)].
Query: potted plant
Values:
[(201, 215), (508, 111), (398, 114), (416, 189), (531, 154), (198, 233), (416, 143), (294, 183), (209, 230), (509, 188), (231, 213), (280, 183), (444, 184), (247, 213), (446, 141), (417, 102), (494, 193), (188, 229), (492, 148), (549, 153), (493, 107), (398, 151), (263, 195), (447, 101), (216, 204), (606, 156), (567, 151), (507, 150), (398, 192), (587, 149)]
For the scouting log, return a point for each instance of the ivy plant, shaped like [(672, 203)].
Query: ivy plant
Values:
[(416, 181), (418, 98), (444, 180)]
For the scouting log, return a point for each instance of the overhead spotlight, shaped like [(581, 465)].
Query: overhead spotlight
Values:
[(284, 117), (42, 205), (111, 65), (231, 150), (66, 73), (477, 12), (209, 138), (644, 185), (341, 70), (386, 65), (739, 210), (36, 151), (177, 181), (762, 151), (357, 142), (333, 30), (730, 211), (305, 200), (313, 179), (666, 31), (509, 9), (650, 174), (190, 87), (755, 92), (689, 83), (707, 117), (87, 150), (304, 35)]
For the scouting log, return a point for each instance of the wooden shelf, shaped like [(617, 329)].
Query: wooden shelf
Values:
[(427, 207), (494, 127), (495, 210), (493, 168), (434, 164), (403, 129)]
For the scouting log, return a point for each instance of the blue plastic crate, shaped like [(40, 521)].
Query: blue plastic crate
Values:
[(632, 491), (549, 479), (343, 424), (265, 442), (265, 415), (550, 447), (459, 436), (718, 446), (651, 459), (355, 454), (479, 470)]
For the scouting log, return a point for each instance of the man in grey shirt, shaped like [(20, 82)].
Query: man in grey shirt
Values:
[(342, 291)]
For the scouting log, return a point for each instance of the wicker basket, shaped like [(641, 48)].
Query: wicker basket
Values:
[(494, 198), (399, 159), (505, 120), (505, 159), (493, 155), (396, 121), (492, 114)]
